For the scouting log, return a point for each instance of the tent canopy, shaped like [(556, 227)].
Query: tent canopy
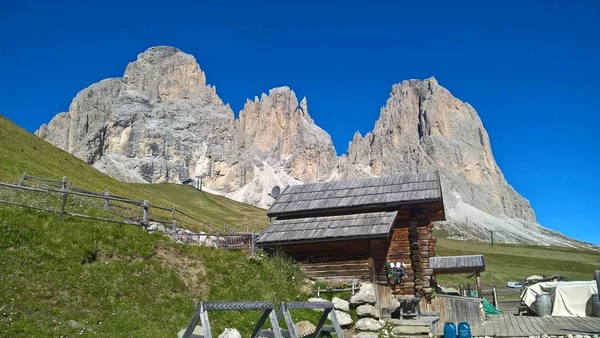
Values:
[(568, 298)]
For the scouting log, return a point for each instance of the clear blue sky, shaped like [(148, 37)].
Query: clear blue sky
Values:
[(529, 68)]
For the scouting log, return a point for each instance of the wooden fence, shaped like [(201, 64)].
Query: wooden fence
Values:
[(456, 309), (61, 198)]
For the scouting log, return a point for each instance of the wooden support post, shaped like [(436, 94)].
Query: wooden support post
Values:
[(192, 325), (371, 263), (495, 295), (174, 228), (63, 204), (106, 201), (145, 211), (205, 323), (173, 212), (253, 244), (478, 281), (22, 179), (289, 323)]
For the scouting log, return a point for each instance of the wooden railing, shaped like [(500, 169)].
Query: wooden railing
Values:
[(456, 309), (61, 198)]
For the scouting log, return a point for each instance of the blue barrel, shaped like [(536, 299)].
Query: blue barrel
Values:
[(464, 330), (449, 330)]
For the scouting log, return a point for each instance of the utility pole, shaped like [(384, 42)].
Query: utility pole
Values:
[(199, 182), (491, 236)]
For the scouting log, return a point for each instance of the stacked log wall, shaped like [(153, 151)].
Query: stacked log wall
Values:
[(333, 261), (412, 247)]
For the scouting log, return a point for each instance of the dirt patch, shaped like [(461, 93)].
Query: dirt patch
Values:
[(191, 271)]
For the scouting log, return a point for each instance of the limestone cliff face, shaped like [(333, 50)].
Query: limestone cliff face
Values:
[(422, 128), (276, 126), (162, 122)]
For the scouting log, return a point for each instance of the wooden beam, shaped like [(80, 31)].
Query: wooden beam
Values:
[(371, 263), (478, 280)]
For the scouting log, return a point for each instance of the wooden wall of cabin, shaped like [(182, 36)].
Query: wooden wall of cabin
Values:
[(334, 261), (411, 243)]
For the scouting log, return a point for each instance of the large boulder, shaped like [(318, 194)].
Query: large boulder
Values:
[(343, 318), (368, 324), (230, 333), (340, 304), (411, 329), (366, 335), (366, 295), (368, 310)]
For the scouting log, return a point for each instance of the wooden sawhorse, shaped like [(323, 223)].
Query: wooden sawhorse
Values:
[(328, 310), (201, 314)]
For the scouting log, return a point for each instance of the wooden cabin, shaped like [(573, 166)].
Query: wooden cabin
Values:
[(348, 230)]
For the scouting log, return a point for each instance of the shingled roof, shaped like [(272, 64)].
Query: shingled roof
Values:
[(369, 225), (370, 194), (456, 264)]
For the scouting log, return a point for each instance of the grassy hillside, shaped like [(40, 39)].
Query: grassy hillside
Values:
[(506, 262), (72, 277), (80, 277), (22, 152)]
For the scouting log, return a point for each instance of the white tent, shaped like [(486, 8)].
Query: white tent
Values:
[(534, 277), (568, 298)]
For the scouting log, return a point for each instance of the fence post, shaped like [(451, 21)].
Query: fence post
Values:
[(22, 179), (174, 229), (64, 182), (107, 194), (218, 240), (173, 212), (65, 198), (145, 212), (253, 244), (495, 295)]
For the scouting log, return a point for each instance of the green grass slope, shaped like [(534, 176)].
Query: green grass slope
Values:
[(81, 277), (507, 262), (21, 152)]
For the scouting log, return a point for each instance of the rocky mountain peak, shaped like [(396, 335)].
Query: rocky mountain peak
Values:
[(279, 128), (162, 123), (424, 127), (166, 74)]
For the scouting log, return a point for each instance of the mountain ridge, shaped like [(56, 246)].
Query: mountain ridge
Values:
[(162, 122)]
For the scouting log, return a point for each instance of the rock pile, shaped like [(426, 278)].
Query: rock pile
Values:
[(341, 309), (369, 322)]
